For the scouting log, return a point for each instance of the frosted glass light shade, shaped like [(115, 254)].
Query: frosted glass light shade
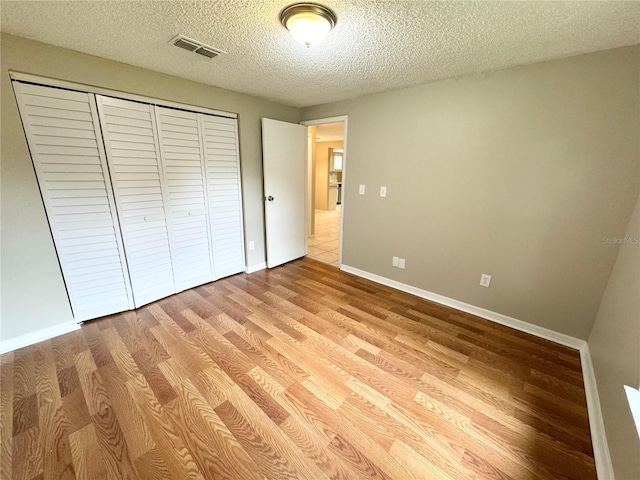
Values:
[(309, 23)]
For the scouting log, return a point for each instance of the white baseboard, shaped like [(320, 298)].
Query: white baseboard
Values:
[(541, 332), (37, 336), (255, 268), (601, 454), (604, 467)]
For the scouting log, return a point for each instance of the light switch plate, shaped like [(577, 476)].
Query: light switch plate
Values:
[(361, 190), (383, 191)]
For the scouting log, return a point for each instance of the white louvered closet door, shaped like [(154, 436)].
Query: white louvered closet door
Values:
[(64, 139), (224, 192), (131, 143), (183, 166)]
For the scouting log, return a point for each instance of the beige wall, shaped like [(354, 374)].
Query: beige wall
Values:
[(322, 173), (517, 174), (615, 350), (32, 290)]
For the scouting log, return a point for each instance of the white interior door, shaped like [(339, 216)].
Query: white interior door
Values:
[(284, 165)]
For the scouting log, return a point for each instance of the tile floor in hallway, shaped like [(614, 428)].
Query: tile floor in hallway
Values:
[(325, 244)]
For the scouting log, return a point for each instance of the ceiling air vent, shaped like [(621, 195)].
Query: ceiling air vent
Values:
[(208, 52), (195, 46), (186, 44)]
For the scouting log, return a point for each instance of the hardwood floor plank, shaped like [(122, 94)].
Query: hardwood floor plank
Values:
[(85, 451), (97, 345), (6, 457), (53, 424), (568, 391), (275, 438), (57, 460), (95, 394), (571, 439), (301, 371), (113, 445), (308, 440), (152, 466), (27, 455), (528, 343), (484, 468), (198, 425), (518, 447), (361, 462), (378, 379), (214, 385), (120, 353), (251, 348), (558, 459), (84, 363), (64, 350), (68, 380), (135, 431), (24, 379), (419, 466), (177, 317), (270, 463), (397, 427), (314, 449), (353, 445), (76, 411), (555, 410), (6, 415), (198, 304), (501, 461), (178, 459), (25, 414)]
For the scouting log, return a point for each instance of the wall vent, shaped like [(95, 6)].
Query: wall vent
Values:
[(195, 46)]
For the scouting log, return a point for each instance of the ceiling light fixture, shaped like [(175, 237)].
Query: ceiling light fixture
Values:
[(309, 23)]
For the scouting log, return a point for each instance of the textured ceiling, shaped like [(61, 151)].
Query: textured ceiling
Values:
[(377, 45)]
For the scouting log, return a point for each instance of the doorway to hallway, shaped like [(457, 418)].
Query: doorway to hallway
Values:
[(327, 154)]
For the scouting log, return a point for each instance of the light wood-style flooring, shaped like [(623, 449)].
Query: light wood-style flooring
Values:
[(300, 372)]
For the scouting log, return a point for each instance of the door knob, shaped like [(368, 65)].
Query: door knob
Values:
[(270, 198)]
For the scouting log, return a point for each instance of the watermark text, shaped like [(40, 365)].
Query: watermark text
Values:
[(621, 240)]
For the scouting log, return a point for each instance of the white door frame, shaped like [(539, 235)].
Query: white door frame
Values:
[(320, 121)]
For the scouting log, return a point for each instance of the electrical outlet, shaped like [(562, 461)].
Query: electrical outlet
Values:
[(485, 280), (383, 191), (401, 263), (361, 190), (252, 245), (394, 261)]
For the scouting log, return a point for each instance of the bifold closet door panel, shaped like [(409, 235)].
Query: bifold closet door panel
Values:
[(66, 147), (131, 144), (183, 167), (224, 192)]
